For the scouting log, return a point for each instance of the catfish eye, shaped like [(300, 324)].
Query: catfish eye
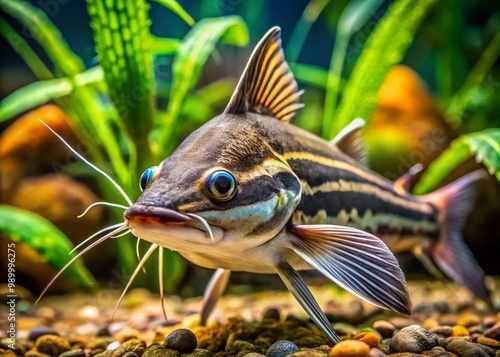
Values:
[(146, 177), (221, 185)]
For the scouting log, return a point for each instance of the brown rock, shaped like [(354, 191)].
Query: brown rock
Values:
[(385, 328), (490, 342), (350, 348), (468, 320), (494, 331), (445, 331), (370, 338), (52, 345)]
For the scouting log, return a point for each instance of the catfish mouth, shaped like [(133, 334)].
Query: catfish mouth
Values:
[(160, 225), (141, 213)]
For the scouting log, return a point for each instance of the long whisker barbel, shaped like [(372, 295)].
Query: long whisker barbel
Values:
[(114, 226), (113, 182), (102, 204), (134, 274), (205, 224), (94, 244)]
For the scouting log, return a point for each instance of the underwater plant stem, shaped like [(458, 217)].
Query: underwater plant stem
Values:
[(302, 28), (465, 96), (333, 83)]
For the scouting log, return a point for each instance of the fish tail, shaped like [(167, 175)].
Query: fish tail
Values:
[(450, 253)]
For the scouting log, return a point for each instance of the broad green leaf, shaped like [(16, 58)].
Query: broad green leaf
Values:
[(194, 51), (177, 9), (43, 237), (33, 95), (484, 146), (164, 46), (385, 48)]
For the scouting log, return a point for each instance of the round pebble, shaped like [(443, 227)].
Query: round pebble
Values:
[(40, 331), (52, 345), (182, 340), (350, 348), (272, 314), (414, 339), (468, 320), (460, 331), (370, 338), (493, 332), (490, 342), (130, 354), (281, 349), (73, 353), (385, 328), (464, 348), (445, 331)]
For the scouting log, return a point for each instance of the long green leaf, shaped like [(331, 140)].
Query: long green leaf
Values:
[(164, 46), (47, 240), (29, 56), (47, 34), (177, 9), (465, 96), (385, 47), (33, 95), (38, 93), (354, 16), (194, 51), (483, 145)]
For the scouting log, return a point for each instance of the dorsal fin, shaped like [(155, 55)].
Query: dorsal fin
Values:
[(350, 141), (267, 85)]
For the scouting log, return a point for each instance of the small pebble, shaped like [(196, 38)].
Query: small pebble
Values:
[(160, 351), (385, 328), (350, 348), (35, 354), (490, 342), (103, 331), (199, 352), (73, 353), (464, 348), (493, 332), (445, 331), (308, 353), (251, 354), (281, 349), (468, 320), (414, 339), (370, 338), (375, 352), (460, 331), (272, 314), (52, 345), (130, 354), (182, 340), (40, 331)]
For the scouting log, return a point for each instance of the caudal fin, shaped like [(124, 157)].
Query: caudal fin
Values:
[(450, 253)]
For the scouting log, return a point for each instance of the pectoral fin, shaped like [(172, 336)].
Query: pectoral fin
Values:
[(213, 292), (357, 261), (300, 291)]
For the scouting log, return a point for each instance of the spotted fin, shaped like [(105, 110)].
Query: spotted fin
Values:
[(450, 253), (267, 85), (350, 141), (357, 261)]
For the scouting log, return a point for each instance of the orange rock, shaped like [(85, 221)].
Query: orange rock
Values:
[(460, 331), (370, 338), (28, 148), (350, 348)]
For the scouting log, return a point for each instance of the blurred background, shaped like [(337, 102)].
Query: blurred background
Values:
[(124, 84)]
